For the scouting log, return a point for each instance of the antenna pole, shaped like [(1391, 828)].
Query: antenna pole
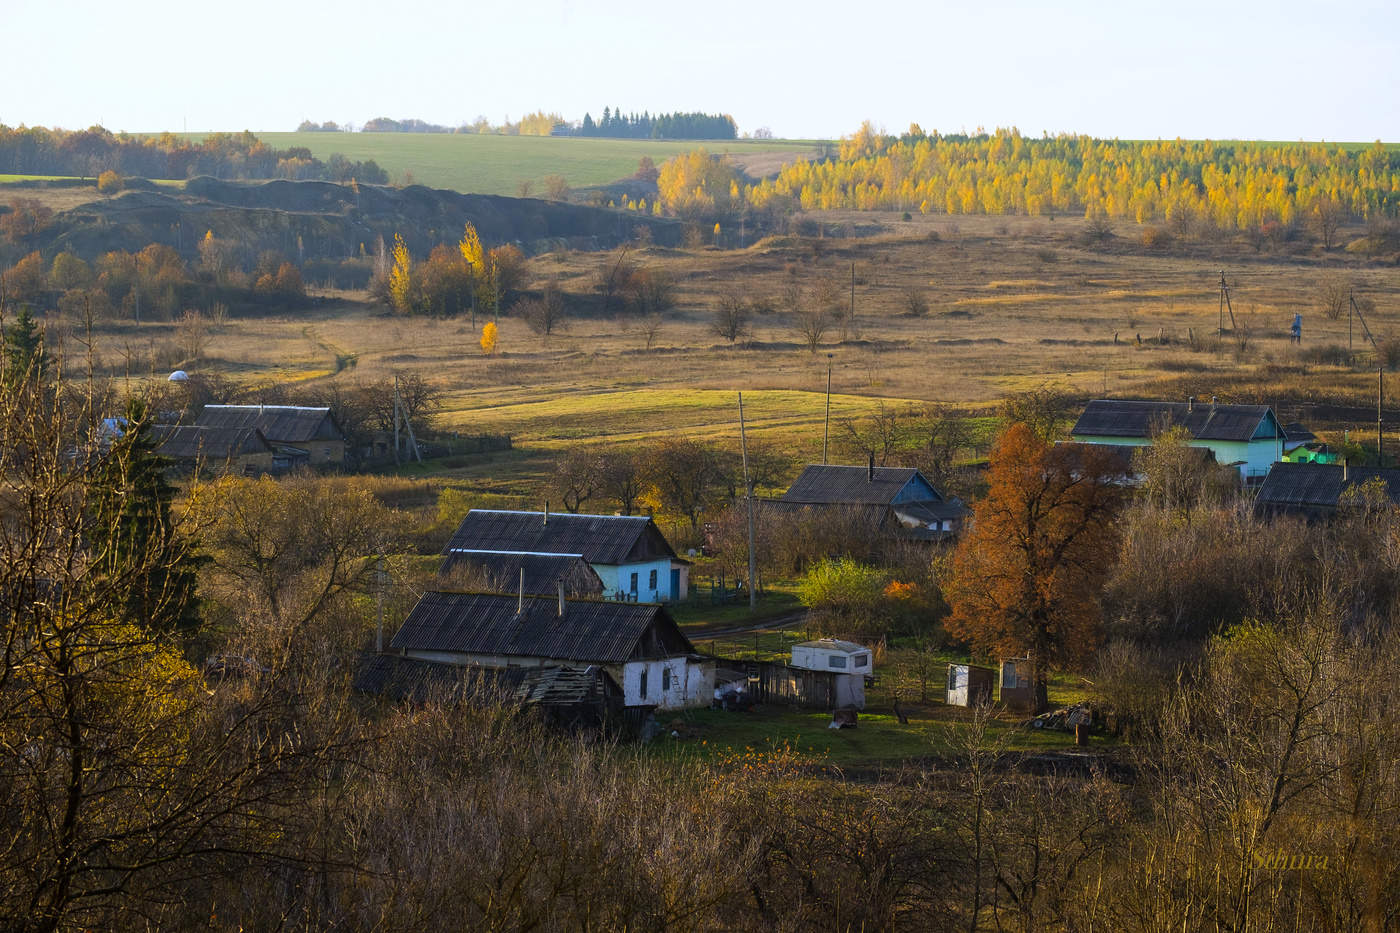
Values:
[(748, 495), (1380, 430)]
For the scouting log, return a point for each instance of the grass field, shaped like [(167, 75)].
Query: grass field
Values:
[(1015, 304), (498, 164)]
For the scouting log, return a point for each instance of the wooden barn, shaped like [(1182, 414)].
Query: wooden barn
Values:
[(639, 643)]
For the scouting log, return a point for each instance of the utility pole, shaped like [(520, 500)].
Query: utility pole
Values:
[(379, 579), (1225, 306), (396, 419), (826, 428), (748, 495), (1380, 430)]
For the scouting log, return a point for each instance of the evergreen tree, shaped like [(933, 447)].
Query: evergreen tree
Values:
[(133, 532), (24, 345)]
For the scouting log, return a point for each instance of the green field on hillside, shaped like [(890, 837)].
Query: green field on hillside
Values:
[(498, 164)]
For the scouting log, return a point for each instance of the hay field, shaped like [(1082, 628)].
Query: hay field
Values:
[(475, 164), (1014, 304)]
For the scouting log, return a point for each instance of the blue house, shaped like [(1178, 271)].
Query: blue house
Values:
[(628, 552), (904, 499), (1247, 437)]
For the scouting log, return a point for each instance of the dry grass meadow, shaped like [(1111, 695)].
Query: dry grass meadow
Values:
[(1013, 304)]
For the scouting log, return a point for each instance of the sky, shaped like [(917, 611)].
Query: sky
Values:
[(1280, 70)]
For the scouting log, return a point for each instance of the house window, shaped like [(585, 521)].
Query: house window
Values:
[(665, 679), (861, 660), (634, 584), (651, 580), (642, 686), (836, 660)]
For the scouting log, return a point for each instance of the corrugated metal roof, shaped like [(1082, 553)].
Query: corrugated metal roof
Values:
[(1134, 418), (192, 442), (285, 424), (833, 644), (832, 484), (543, 572), (1316, 488), (592, 632), (601, 539)]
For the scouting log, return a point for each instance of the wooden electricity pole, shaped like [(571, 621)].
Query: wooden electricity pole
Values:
[(748, 495)]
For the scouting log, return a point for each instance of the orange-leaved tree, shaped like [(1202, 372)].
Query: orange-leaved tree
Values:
[(1027, 576)]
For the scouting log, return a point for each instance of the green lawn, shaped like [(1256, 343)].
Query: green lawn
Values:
[(878, 739), (498, 164)]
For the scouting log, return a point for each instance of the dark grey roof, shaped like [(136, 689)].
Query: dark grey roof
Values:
[(543, 572), (280, 424), (601, 539), (592, 632), (1132, 418), (1297, 433), (832, 484), (193, 442), (1316, 488)]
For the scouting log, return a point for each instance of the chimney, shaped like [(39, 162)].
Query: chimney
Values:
[(1212, 404), (520, 600), (561, 599), (546, 511), (870, 470), (1344, 470), (1190, 404)]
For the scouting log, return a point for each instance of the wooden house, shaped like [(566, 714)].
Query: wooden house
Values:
[(218, 450), (570, 698), (310, 430), (1315, 490), (639, 643), (522, 572), (905, 501), (1247, 437), (970, 685), (628, 552)]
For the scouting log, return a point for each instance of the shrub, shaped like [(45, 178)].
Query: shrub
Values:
[(109, 182)]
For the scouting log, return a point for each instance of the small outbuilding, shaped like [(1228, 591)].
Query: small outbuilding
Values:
[(848, 661), (1020, 689), (970, 685)]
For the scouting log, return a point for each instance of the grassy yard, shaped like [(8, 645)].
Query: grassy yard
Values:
[(878, 739)]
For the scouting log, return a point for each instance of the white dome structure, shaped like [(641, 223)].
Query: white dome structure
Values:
[(179, 375)]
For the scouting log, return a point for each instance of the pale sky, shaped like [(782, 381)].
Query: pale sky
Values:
[(1326, 69)]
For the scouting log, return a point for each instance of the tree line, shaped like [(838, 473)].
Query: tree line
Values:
[(1230, 186), (240, 156), (616, 124)]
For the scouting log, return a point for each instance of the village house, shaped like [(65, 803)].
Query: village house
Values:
[(1315, 490), (628, 552), (523, 572), (312, 431), (906, 502), (232, 450), (639, 643), (1247, 437), (572, 699)]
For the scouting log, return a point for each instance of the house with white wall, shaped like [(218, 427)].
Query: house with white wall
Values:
[(1246, 437), (628, 552), (639, 643)]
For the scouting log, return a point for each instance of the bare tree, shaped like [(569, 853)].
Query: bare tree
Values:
[(731, 317), (811, 325), (576, 478), (1334, 293), (543, 315), (1325, 216), (622, 478)]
